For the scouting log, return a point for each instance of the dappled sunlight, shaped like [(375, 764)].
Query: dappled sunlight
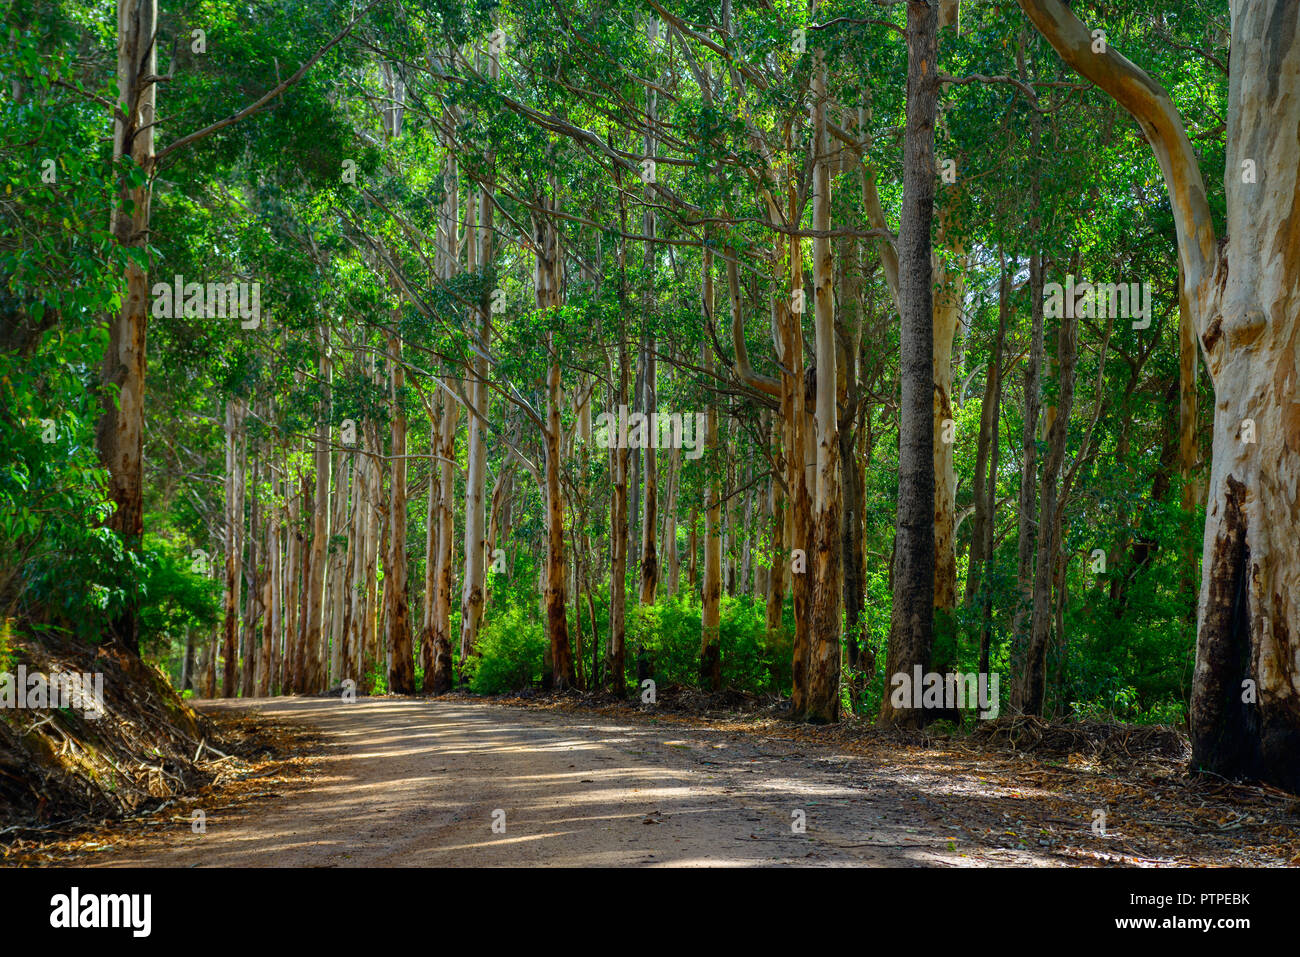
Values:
[(421, 783), (416, 782)]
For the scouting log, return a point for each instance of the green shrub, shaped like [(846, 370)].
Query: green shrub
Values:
[(668, 633), (511, 648)]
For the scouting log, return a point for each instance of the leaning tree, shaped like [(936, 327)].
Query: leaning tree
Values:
[(1244, 299)]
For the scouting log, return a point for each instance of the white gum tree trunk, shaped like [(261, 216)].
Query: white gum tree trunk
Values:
[(1244, 298)]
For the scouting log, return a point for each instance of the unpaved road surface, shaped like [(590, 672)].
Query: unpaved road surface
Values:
[(420, 782)]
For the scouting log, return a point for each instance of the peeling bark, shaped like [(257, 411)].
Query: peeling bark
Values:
[(823, 702), (1245, 305)]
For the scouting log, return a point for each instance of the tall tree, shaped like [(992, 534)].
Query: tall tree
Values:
[(1245, 713), (823, 704), (911, 626)]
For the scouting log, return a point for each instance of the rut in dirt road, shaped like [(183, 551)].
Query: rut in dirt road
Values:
[(420, 783)]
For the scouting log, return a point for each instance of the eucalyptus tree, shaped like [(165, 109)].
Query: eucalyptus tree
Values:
[(1245, 714), (120, 435)]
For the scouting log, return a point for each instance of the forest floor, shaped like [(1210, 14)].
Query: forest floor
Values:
[(399, 781)]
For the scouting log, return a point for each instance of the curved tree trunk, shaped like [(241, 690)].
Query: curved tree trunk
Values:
[(1245, 708)]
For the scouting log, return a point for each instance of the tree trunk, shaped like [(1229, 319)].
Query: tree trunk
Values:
[(188, 662), (673, 559), (266, 679), (986, 455), (823, 703), (432, 556), (711, 619), (253, 597), (693, 549), (776, 581), (208, 664), (794, 411), (548, 275), (297, 664), (618, 546), (120, 430), (1188, 450), (369, 635), (401, 675), (746, 523), (442, 660), (618, 505), (268, 628), (650, 521), (562, 669), (338, 574), (292, 584), (312, 676), (353, 572), (1022, 620), (235, 412), (1030, 681), (472, 598), (947, 313), (912, 617), (1245, 709)]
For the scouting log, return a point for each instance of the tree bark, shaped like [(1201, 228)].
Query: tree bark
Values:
[(1029, 688), (292, 583), (548, 273), (650, 520), (442, 677), (253, 595), (472, 598), (235, 412), (794, 411), (673, 567), (912, 616), (401, 675), (947, 314), (120, 430), (986, 455), (711, 612), (618, 506), (618, 546), (312, 675), (776, 581), (1245, 307), (823, 702)]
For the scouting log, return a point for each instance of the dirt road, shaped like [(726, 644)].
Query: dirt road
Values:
[(422, 782)]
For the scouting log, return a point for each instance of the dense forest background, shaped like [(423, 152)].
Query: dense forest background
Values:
[(469, 240)]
